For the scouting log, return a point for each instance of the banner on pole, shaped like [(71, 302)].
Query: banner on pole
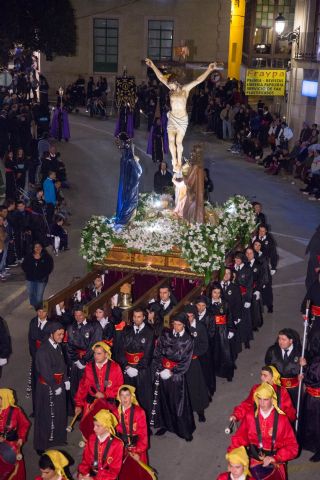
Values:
[(265, 82)]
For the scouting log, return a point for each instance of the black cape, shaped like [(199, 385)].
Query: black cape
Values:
[(174, 411), (50, 409)]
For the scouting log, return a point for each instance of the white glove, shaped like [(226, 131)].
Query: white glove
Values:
[(230, 335), (79, 365), (247, 305), (237, 321), (272, 272), (165, 374), (132, 372), (67, 385), (3, 361), (58, 391), (257, 294)]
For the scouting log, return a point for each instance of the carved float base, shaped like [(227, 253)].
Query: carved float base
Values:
[(170, 264)]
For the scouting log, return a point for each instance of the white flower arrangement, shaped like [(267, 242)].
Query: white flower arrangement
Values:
[(203, 246)]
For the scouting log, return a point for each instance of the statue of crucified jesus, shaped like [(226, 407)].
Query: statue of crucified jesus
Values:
[(178, 116)]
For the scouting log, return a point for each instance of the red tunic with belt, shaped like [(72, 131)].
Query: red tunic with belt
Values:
[(108, 466), (139, 428), (88, 385), (20, 424), (285, 445), (285, 403)]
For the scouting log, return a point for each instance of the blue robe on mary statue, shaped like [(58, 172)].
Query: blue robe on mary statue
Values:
[(130, 173)]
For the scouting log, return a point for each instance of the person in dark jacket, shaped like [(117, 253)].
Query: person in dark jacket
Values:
[(136, 358), (37, 334), (5, 344), (285, 355), (198, 391), (37, 267), (162, 179), (172, 357)]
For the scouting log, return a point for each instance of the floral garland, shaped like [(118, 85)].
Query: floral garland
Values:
[(203, 246)]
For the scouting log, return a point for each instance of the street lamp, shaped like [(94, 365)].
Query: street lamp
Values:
[(293, 36), (61, 96), (280, 22)]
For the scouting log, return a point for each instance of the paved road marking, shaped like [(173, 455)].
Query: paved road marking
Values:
[(105, 132), (302, 240), (292, 284), (287, 258), (14, 295)]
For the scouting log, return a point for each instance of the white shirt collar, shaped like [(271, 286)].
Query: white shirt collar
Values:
[(104, 437), (178, 334), (201, 315), (216, 301), (103, 322), (243, 477), (41, 323), (165, 304), (262, 238), (252, 262), (53, 343), (289, 350), (193, 324), (101, 364), (266, 414), (138, 329)]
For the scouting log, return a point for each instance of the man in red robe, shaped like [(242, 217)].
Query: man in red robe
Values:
[(103, 453), (102, 379), (238, 466), (269, 374), (132, 426), (267, 433), (14, 427)]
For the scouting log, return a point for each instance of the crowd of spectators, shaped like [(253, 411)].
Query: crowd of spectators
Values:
[(34, 210)]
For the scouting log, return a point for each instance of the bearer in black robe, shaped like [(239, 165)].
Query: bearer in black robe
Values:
[(313, 249), (106, 324), (172, 358), (266, 277), (82, 335), (309, 422), (38, 333), (232, 295), (224, 332), (166, 300), (244, 279), (206, 360), (269, 250), (313, 337), (257, 286), (136, 358), (285, 355), (50, 406), (197, 387)]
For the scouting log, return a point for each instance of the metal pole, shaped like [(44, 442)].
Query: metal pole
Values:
[(305, 327)]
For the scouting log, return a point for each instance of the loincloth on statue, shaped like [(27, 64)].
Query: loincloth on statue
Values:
[(178, 124)]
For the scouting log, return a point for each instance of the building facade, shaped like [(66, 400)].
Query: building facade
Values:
[(303, 85), (117, 34)]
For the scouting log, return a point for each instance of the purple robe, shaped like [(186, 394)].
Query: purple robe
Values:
[(164, 122), (129, 125), (65, 124)]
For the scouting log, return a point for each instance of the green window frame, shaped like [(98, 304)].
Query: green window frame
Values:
[(160, 39), (105, 44)]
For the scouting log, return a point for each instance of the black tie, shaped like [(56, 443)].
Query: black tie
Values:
[(286, 356)]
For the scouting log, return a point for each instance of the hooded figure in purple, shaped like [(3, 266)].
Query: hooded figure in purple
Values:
[(158, 139), (60, 124)]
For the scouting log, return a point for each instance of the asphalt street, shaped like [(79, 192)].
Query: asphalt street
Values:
[(92, 161)]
